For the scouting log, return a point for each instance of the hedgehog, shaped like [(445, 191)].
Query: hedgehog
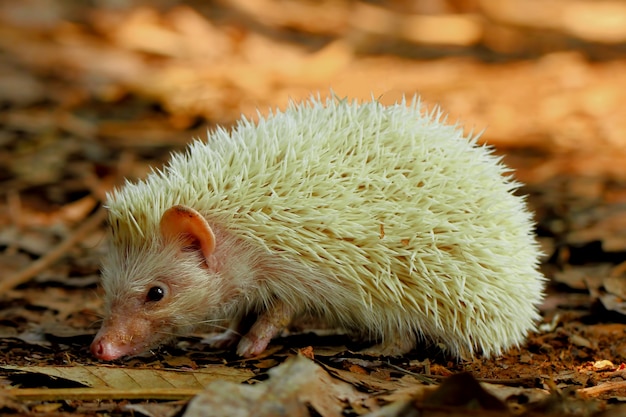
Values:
[(384, 222)]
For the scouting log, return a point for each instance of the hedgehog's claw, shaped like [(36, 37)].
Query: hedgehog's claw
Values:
[(249, 347), (268, 325)]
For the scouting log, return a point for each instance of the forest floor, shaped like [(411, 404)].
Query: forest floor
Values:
[(92, 95)]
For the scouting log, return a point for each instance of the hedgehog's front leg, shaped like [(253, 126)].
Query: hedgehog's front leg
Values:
[(267, 326)]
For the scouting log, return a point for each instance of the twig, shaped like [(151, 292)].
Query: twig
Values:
[(51, 257), (602, 389), (431, 378)]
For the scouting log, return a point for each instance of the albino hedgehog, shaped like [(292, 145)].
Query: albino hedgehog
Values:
[(378, 220)]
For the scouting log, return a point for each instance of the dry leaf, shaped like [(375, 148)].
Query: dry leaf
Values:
[(462, 390), (292, 386), (109, 377)]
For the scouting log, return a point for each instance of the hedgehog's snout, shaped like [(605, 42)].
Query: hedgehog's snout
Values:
[(105, 350), (122, 335)]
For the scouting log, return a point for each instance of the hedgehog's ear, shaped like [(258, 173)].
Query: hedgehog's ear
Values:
[(187, 225)]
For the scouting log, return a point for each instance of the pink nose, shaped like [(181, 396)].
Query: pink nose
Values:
[(106, 350)]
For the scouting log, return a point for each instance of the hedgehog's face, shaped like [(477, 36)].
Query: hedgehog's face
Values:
[(159, 290)]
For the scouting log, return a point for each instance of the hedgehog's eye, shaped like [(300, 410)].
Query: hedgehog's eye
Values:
[(155, 294)]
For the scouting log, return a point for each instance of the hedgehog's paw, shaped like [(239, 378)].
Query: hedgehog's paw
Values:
[(267, 326), (250, 346), (393, 347)]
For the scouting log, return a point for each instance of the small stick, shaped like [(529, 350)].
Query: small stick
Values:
[(82, 231), (51, 257), (598, 390), (430, 378)]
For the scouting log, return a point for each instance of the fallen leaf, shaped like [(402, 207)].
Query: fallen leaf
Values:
[(462, 390), (291, 388), (120, 378), (603, 365)]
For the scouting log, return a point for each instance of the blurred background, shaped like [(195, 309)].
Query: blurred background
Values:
[(94, 92), (99, 80)]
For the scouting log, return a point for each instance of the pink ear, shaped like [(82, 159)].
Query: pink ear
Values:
[(186, 223)]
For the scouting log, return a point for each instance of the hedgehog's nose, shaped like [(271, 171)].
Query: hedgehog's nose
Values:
[(105, 350)]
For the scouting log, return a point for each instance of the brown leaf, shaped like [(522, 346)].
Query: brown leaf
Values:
[(101, 378), (292, 386), (462, 390)]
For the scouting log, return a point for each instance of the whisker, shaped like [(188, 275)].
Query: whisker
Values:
[(170, 334), (96, 323)]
